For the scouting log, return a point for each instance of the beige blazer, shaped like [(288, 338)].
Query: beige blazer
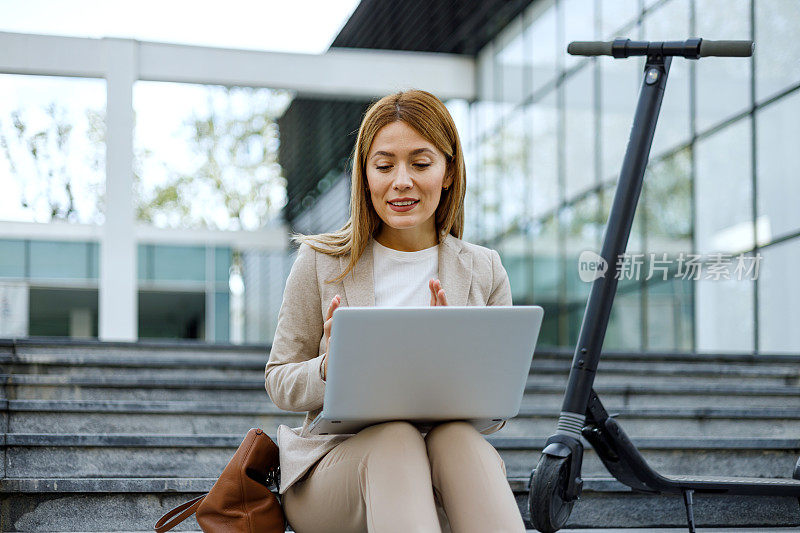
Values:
[(470, 275)]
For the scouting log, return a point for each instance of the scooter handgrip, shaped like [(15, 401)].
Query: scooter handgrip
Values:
[(726, 48), (590, 48)]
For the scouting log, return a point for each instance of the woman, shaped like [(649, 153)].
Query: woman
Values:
[(388, 477)]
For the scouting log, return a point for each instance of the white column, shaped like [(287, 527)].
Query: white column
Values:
[(118, 292)]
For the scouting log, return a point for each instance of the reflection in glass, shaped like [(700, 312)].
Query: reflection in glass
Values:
[(670, 22), (620, 80), (579, 135), (724, 315), (577, 19), (52, 148), (513, 253), (667, 201), (625, 321), (510, 63), (541, 43), (723, 190), (778, 287), (513, 190), (669, 313), (542, 118), (778, 162), (491, 169), (616, 15), (206, 156), (723, 83), (583, 225), (547, 276), (777, 51)]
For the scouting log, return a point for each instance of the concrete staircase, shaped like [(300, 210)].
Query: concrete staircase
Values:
[(108, 437)]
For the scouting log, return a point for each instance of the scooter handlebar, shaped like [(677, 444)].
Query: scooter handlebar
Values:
[(726, 48), (590, 48), (691, 49)]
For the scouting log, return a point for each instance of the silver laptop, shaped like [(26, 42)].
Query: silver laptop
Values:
[(427, 365)]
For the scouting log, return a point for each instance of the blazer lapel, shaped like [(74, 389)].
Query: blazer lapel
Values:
[(455, 270), (455, 274), (359, 284)]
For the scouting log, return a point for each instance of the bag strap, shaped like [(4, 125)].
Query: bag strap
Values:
[(188, 509)]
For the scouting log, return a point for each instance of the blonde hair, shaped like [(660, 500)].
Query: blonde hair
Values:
[(430, 118)]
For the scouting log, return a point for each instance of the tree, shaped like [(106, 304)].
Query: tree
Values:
[(237, 183), (51, 185)]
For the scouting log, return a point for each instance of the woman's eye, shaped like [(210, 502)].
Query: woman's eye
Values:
[(384, 167), (422, 165)]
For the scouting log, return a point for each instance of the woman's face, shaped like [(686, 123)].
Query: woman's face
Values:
[(403, 164)]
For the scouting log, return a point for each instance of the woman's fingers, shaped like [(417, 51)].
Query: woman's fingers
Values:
[(437, 293), (332, 307)]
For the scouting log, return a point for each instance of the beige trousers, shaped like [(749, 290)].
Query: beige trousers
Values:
[(388, 478)]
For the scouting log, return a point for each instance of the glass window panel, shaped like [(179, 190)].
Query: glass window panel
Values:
[(583, 225), (548, 333), (489, 111), (624, 330), (222, 317), (171, 315), (513, 253), (222, 265), (542, 43), (510, 60), (52, 148), (778, 162), (670, 22), (543, 161), (669, 314), (723, 83), (620, 81), (778, 288), (491, 173), (724, 315), (206, 156), (179, 263), (578, 24), (777, 51), (667, 200), (144, 258), (723, 191), (61, 260), (63, 312), (579, 135), (546, 261), (616, 15), (12, 259), (513, 184)]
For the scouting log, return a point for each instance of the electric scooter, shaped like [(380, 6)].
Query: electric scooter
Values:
[(556, 483)]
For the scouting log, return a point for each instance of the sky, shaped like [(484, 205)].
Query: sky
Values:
[(161, 108), (306, 26)]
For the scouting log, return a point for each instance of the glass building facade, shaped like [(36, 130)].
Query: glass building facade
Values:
[(545, 143)]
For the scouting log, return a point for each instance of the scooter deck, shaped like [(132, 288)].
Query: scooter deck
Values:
[(737, 485)]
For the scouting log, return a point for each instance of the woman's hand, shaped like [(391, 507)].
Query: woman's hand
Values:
[(335, 302), (437, 292)]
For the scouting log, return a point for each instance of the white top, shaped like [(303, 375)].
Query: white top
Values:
[(401, 278)]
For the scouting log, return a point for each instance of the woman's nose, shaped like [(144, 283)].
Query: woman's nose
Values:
[(402, 178)]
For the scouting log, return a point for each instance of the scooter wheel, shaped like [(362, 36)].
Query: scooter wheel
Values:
[(549, 511)]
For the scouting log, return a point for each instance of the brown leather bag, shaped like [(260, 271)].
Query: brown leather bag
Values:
[(241, 499)]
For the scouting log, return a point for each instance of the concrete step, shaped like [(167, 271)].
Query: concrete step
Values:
[(60, 504), (108, 416), (251, 365), (126, 455), (540, 395)]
